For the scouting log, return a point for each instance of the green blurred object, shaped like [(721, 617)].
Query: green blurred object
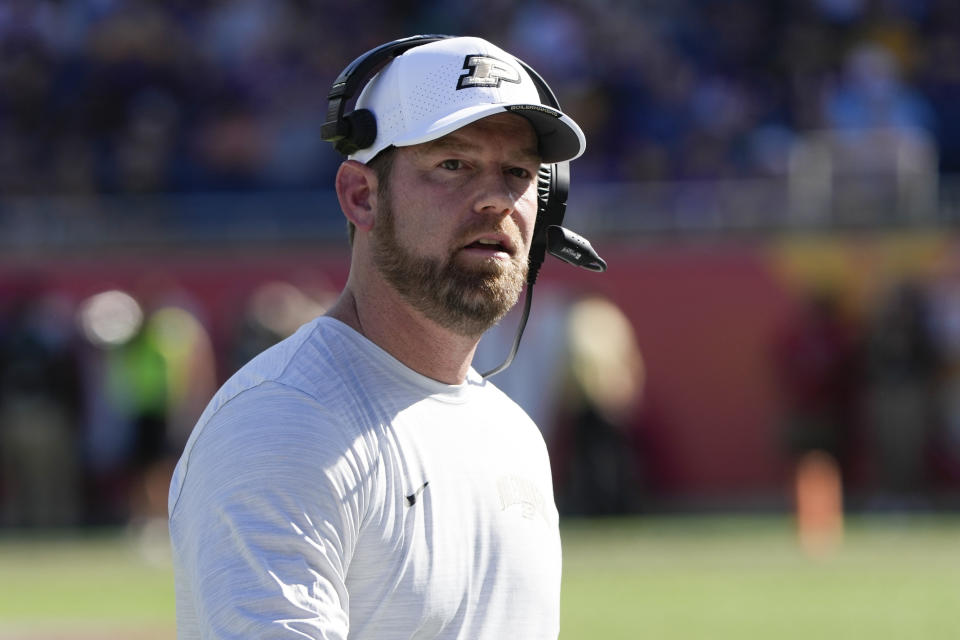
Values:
[(669, 578)]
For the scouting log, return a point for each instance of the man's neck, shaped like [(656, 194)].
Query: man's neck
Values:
[(389, 322)]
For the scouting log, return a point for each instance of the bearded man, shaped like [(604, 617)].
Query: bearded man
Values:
[(360, 479)]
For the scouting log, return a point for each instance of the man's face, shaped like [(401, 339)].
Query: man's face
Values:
[(453, 230)]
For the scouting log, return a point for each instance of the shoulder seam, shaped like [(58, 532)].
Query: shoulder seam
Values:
[(245, 390)]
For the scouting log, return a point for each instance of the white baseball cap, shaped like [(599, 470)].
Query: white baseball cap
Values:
[(435, 88)]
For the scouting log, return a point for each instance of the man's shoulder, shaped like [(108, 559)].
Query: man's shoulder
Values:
[(303, 375), (313, 360), (288, 408)]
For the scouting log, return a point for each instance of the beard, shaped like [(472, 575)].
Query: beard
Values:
[(464, 300)]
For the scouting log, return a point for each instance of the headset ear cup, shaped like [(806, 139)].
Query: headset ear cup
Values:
[(538, 245), (362, 126), (544, 176), (553, 186)]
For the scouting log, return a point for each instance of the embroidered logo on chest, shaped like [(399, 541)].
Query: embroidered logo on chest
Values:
[(520, 492)]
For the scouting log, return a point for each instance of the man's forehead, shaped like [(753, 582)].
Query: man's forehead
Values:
[(514, 128)]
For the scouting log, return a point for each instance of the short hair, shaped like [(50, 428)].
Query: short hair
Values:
[(382, 165)]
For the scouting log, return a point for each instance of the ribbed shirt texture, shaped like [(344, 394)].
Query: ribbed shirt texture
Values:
[(328, 491)]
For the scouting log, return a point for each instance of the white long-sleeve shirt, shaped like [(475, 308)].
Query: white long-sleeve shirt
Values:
[(328, 491)]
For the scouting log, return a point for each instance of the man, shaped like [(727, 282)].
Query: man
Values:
[(360, 479)]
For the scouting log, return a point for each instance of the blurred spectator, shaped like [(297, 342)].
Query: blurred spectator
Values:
[(125, 382), (944, 301), (39, 409), (871, 95), (182, 342), (600, 472), (148, 376), (187, 351), (902, 368), (816, 360)]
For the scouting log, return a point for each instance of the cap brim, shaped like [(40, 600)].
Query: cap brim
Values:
[(559, 137)]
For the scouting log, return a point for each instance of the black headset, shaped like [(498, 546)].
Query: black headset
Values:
[(349, 132)]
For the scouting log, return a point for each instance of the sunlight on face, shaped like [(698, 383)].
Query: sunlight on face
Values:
[(466, 296)]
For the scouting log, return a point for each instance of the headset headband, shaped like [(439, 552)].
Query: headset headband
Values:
[(338, 129), (355, 76)]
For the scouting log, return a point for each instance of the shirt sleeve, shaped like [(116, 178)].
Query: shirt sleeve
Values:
[(265, 519)]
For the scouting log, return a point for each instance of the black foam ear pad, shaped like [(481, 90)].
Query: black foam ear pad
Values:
[(539, 242), (362, 131), (553, 185), (348, 137)]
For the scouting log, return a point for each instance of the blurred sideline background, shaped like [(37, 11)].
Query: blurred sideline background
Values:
[(773, 184)]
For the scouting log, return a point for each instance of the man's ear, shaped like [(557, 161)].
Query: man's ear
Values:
[(356, 185)]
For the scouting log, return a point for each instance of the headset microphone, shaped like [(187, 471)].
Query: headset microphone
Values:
[(573, 248)]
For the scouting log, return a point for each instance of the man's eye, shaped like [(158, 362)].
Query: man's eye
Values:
[(519, 172), (451, 165)]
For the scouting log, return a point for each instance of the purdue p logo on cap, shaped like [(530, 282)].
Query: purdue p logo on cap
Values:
[(416, 98), (486, 71)]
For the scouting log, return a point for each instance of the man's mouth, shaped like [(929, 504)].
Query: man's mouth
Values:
[(488, 245), (491, 245)]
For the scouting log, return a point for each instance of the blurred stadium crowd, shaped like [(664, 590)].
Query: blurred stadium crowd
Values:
[(138, 97), (146, 96)]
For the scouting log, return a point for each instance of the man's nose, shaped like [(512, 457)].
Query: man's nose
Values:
[(496, 196)]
